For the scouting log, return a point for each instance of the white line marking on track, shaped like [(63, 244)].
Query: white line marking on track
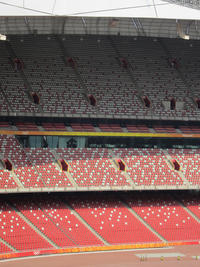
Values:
[(158, 255), (82, 253)]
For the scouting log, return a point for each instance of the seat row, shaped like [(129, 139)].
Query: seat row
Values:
[(87, 127), (43, 222), (95, 167), (101, 74)]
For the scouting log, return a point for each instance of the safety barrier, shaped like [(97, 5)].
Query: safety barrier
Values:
[(92, 249)]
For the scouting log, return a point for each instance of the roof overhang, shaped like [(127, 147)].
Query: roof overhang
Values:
[(95, 8), (100, 26)]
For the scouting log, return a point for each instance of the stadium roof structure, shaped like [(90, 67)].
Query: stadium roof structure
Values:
[(95, 8), (100, 26), (154, 18), (188, 3)]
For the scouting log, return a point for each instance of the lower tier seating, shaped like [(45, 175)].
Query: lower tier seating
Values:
[(42, 221), (4, 248), (17, 232), (113, 221), (65, 219), (166, 216), (192, 202)]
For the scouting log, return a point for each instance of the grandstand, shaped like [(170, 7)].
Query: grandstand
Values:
[(99, 133)]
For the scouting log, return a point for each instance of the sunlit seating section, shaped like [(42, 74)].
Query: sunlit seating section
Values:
[(17, 232), (148, 167), (192, 202), (189, 160), (38, 217), (45, 164), (166, 216), (21, 164), (6, 180), (65, 219), (112, 220), (92, 167)]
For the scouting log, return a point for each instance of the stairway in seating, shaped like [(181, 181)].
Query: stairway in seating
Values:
[(78, 216), (143, 222), (34, 227)]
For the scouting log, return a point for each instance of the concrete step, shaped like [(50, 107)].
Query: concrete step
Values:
[(17, 181)]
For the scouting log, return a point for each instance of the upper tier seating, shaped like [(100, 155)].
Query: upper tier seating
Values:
[(55, 83), (154, 77), (12, 87), (60, 90), (166, 216), (104, 78), (187, 55)]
